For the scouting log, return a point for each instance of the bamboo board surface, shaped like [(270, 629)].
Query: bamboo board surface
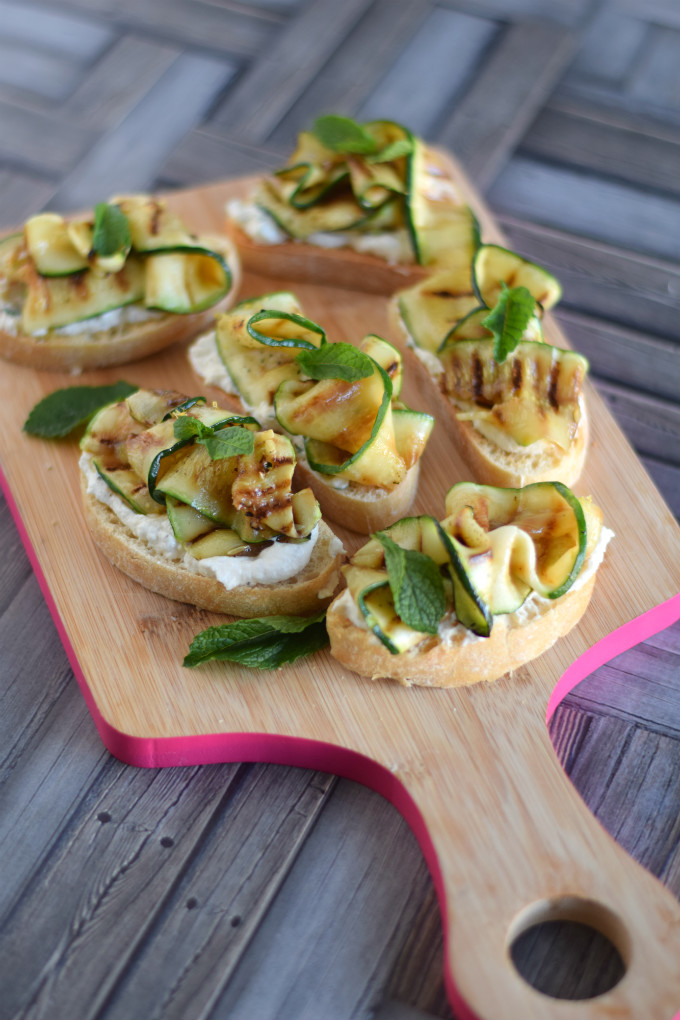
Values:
[(508, 839)]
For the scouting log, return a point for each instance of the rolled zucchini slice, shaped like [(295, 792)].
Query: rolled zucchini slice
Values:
[(185, 282), (60, 301), (493, 266), (536, 536), (129, 487), (444, 231), (431, 309), (533, 395), (157, 450)]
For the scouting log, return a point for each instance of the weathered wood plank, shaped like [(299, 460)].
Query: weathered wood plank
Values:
[(624, 356), (632, 149), (634, 290), (231, 29), (590, 206), (655, 78), (117, 82), (266, 91), (35, 139), (60, 32), (21, 194), (651, 425), (610, 45), (219, 903), (33, 71), (629, 776), (561, 12), (427, 58), (128, 157), (639, 686), (17, 569), (204, 156), (127, 867), (417, 980), (514, 80), (363, 869), (359, 63)]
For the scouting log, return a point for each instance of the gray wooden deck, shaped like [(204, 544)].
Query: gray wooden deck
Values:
[(258, 891)]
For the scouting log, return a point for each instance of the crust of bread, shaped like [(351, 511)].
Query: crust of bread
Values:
[(78, 352), (307, 593), (461, 661), (488, 462), (339, 267), (359, 508)]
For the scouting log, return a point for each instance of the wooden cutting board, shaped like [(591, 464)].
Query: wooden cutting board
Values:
[(508, 840)]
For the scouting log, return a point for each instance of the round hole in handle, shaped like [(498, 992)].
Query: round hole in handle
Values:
[(569, 947)]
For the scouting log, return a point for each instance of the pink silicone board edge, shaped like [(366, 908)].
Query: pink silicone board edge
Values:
[(214, 748)]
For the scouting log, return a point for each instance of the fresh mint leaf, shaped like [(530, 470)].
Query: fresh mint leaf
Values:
[(186, 427), (416, 584), (396, 149), (111, 230), (228, 442), (342, 134), (509, 319), (264, 643), (336, 361), (64, 410)]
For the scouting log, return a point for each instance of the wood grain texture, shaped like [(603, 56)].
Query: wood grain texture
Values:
[(422, 758), (518, 74)]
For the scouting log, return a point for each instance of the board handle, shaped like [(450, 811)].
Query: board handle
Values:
[(511, 845)]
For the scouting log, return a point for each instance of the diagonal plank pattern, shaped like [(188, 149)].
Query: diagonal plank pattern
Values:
[(220, 880)]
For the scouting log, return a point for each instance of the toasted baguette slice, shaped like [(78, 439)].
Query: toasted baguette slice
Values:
[(463, 659), (460, 657), (76, 352), (306, 593), (358, 507), (488, 462), (339, 267)]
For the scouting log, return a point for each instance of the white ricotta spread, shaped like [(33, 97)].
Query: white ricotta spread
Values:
[(276, 562), (206, 362), (392, 246), (10, 321), (255, 222)]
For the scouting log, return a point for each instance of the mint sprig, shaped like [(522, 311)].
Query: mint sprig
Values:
[(395, 150), (229, 441), (509, 319), (62, 411), (264, 643), (336, 361), (416, 584), (111, 230), (342, 134)]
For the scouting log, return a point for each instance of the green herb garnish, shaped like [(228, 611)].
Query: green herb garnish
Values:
[(416, 584), (220, 442), (264, 643), (336, 361), (342, 134), (509, 319), (111, 230), (61, 412), (395, 150)]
